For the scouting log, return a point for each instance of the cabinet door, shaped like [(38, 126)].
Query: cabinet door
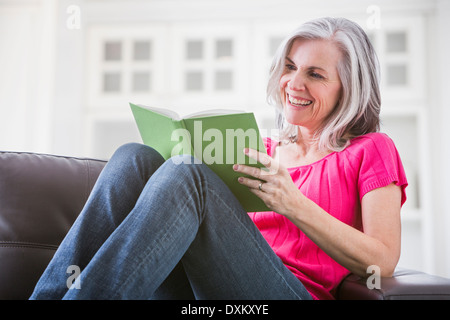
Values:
[(125, 63), (400, 45), (209, 66)]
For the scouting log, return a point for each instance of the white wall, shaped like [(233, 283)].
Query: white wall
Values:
[(69, 99), (439, 87), (26, 77)]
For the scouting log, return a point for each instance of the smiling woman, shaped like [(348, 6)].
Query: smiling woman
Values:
[(170, 229), (349, 59)]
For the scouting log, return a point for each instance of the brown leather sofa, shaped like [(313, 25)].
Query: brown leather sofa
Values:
[(41, 195)]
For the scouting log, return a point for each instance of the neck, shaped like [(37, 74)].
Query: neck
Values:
[(305, 150), (306, 143)]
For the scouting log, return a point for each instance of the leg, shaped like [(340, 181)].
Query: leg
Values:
[(186, 213), (230, 259), (112, 198), (175, 287)]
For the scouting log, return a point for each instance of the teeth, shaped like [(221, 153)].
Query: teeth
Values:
[(301, 102)]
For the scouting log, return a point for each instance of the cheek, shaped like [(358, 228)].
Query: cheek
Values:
[(327, 95), (323, 103), (282, 86)]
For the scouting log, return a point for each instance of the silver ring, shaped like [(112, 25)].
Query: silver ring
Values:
[(260, 186)]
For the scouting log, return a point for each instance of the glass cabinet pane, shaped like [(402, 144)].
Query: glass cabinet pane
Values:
[(113, 51), (396, 42), (142, 50), (194, 81), (141, 81), (223, 80), (224, 49), (194, 49), (111, 81), (397, 74)]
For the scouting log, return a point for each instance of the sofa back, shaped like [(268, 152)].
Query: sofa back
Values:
[(40, 198)]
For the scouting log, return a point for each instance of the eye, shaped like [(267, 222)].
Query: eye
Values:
[(316, 75), (290, 67)]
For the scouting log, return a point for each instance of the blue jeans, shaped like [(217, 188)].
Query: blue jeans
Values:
[(155, 229)]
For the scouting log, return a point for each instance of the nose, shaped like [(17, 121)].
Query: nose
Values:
[(296, 82)]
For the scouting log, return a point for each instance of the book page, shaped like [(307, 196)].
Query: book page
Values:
[(213, 112), (166, 112)]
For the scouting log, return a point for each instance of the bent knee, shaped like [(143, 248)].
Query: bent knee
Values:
[(184, 159), (131, 148), (139, 151), (186, 165)]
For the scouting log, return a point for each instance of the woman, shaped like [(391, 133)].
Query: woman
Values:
[(154, 229)]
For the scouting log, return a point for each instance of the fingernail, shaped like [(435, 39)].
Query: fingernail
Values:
[(240, 179), (235, 167), (245, 150)]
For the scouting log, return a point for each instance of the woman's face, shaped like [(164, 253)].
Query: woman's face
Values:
[(310, 84)]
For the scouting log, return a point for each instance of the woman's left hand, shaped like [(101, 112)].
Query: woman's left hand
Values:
[(273, 184)]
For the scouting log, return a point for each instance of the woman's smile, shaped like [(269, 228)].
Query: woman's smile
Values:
[(298, 102)]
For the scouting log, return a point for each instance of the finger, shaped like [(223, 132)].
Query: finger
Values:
[(259, 185), (248, 170), (251, 183), (271, 166), (262, 158)]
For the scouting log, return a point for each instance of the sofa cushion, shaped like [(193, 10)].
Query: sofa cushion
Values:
[(40, 198), (406, 284)]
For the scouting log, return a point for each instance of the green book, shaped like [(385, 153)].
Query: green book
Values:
[(216, 138)]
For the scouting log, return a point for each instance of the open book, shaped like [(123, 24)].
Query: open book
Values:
[(215, 137)]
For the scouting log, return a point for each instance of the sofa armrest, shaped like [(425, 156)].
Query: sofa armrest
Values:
[(40, 197), (405, 284)]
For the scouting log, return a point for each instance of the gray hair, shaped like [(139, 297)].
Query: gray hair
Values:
[(357, 111)]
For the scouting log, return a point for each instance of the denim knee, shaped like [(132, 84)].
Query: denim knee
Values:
[(137, 150), (190, 168), (138, 155), (179, 166), (184, 159)]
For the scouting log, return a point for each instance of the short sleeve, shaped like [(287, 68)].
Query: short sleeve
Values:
[(380, 165), (270, 145)]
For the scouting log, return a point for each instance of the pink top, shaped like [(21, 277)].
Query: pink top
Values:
[(337, 184)]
